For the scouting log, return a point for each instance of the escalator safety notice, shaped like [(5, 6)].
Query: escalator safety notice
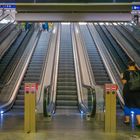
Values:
[(111, 88), (30, 88)]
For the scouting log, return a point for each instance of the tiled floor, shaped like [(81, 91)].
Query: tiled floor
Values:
[(63, 127)]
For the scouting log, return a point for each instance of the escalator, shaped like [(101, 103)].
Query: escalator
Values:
[(133, 42), (118, 55), (11, 58), (99, 71), (1, 26), (133, 33), (133, 29), (66, 92), (34, 70), (6, 31)]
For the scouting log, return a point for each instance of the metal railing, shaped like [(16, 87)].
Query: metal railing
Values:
[(87, 92), (49, 97)]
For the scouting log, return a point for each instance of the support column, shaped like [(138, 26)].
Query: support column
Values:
[(110, 107), (29, 108)]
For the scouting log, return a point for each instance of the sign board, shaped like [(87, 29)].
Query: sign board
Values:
[(135, 7), (111, 87), (7, 6), (30, 88), (26, 89)]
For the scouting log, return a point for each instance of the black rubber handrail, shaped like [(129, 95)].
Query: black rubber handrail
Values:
[(49, 108), (92, 92), (46, 100)]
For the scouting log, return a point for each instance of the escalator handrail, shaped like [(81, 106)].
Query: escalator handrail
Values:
[(46, 100), (90, 73), (51, 106), (82, 104), (93, 95), (43, 72), (92, 83)]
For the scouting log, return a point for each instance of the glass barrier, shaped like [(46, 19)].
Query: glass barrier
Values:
[(89, 99)]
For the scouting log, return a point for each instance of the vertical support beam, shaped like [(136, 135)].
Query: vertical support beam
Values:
[(113, 111), (110, 107), (107, 111), (32, 108), (29, 108), (26, 108)]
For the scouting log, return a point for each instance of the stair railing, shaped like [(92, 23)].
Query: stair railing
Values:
[(88, 93)]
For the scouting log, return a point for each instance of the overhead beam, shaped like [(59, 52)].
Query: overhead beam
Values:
[(72, 7), (74, 17)]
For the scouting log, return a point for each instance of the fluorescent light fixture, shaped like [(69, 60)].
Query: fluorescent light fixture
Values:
[(77, 31), (82, 112), (108, 23), (1, 112), (95, 23), (54, 31), (5, 21), (114, 23), (82, 23), (132, 112), (101, 23)]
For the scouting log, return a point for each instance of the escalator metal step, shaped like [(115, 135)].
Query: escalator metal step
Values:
[(67, 107), (67, 97), (66, 92), (69, 87), (66, 103)]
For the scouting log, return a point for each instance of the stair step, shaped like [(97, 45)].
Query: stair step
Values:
[(67, 92), (67, 107), (20, 97), (66, 97), (66, 103), (19, 102), (66, 87), (66, 84)]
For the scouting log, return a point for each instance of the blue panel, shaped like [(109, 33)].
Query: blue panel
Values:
[(136, 7), (7, 6)]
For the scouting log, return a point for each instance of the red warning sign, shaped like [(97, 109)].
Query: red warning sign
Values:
[(30, 87), (111, 87)]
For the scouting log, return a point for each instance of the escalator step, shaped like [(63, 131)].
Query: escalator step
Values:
[(66, 97), (67, 92), (66, 83), (67, 107), (66, 103), (66, 87)]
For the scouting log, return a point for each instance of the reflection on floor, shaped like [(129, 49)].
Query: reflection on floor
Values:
[(64, 127)]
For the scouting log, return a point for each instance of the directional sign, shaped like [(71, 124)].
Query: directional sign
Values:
[(7, 6), (135, 7)]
